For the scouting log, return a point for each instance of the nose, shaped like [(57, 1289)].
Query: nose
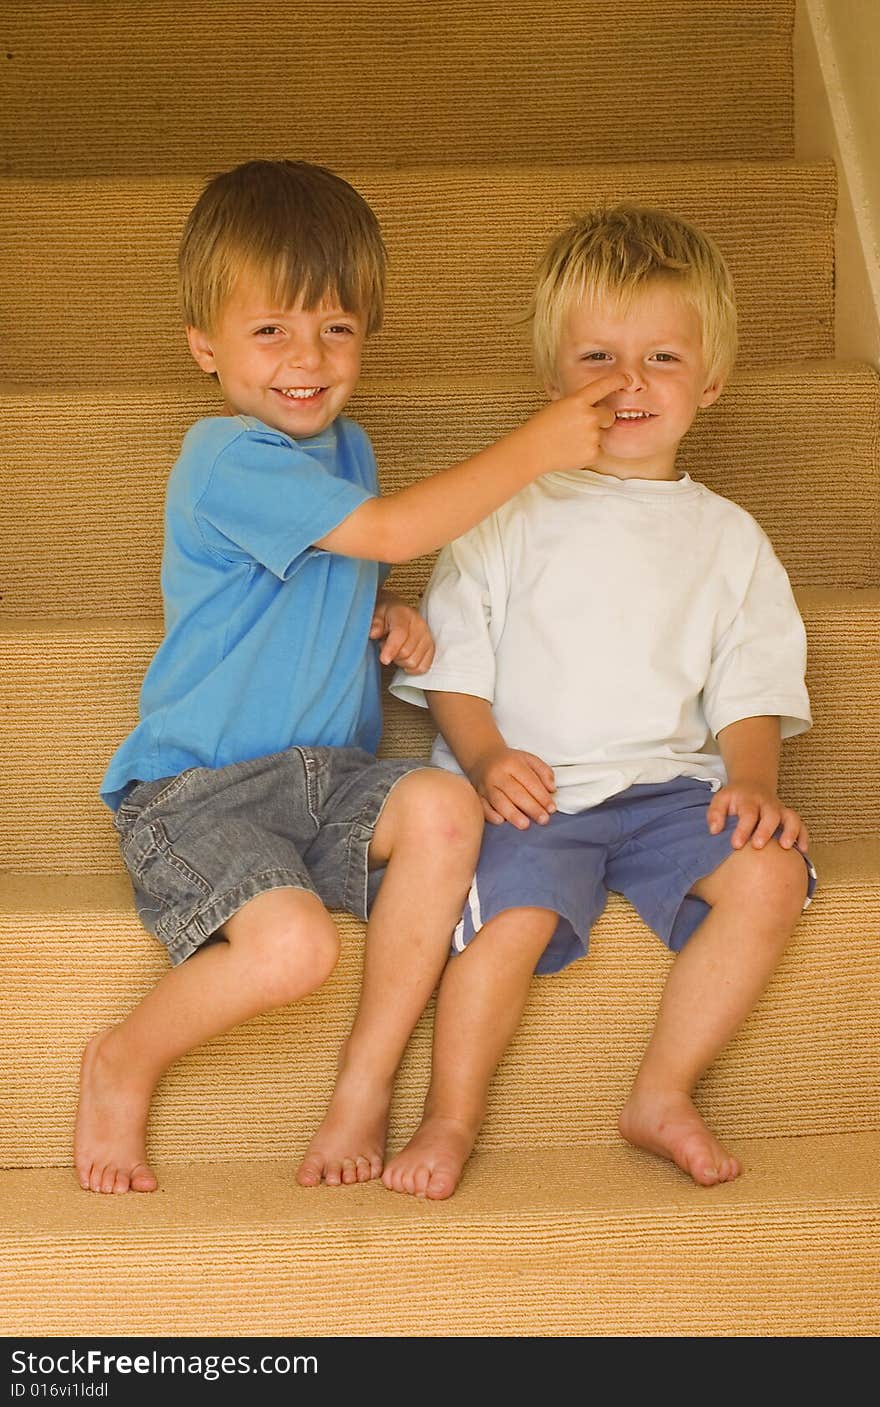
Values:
[(305, 351), (636, 379)]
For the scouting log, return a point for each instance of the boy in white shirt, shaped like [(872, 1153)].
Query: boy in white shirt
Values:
[(618, 655)]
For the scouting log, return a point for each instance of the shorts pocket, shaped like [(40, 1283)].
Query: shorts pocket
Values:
[(159, 871)]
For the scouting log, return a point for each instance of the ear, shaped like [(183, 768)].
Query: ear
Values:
[(552, 391), (712, 392), (200, 346)]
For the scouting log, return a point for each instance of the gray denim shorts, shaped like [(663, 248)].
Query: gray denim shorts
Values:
[(200, 845)]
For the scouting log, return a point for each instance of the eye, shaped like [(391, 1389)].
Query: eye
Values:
[(595, 357), (341, 329), (664, 357), (268, 331)]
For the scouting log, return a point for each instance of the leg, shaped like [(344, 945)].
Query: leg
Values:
[(280, 946), (481, 1000), (428, 835), (756, 897)]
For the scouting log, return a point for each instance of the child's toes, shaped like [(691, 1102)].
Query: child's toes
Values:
[(421, 1179), (442, 1183), (143, 1179), (311, 1170), (391, 1178), (349, 1171)]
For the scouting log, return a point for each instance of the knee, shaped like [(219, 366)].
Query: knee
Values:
[(294, 948), (776, 881), (442, 812), (298, 960)]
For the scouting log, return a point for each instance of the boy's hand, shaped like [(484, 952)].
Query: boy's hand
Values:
[(760, 813), (570, 428), (408, 641), (514, 786)]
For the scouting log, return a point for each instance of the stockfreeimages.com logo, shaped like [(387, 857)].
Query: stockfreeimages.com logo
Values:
[(95, 1363)]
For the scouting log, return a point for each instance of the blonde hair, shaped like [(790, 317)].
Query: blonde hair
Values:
[(302, 229), (615, 253)]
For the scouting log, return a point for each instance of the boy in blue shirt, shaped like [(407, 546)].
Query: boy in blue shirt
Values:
[(248, 800)]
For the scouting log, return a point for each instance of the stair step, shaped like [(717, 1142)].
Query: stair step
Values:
[(463, 244), (72, 689), (796, 444), (75, 959), (583, 1242), (495, 81)]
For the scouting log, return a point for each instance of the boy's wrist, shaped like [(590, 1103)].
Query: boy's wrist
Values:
[(477, 765), (742, 782)]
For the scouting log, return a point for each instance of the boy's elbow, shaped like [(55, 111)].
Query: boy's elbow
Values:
[(392, 543)]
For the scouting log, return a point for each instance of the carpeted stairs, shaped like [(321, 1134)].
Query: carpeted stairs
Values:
[(475, 129)]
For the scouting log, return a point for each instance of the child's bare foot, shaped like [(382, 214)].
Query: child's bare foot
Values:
[(110, 1151), (667, 1123), (432, 1162), (349, 1146)]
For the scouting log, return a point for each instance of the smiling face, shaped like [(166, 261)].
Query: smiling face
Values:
[(293, 369), (656, 343)]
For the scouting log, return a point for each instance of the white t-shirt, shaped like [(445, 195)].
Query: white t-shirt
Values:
[(615, 626)]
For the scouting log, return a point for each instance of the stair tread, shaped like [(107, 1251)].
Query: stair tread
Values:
[(840, 863), (503, 1188), (605, 1240), (805, 1063), (718, 80), (463, 244), (72, 695), (843, 599), (199, 393), (810, 473)]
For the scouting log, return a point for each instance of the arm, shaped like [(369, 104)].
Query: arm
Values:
[(407, 640), (513, 785), (750, 752), (415, 520)]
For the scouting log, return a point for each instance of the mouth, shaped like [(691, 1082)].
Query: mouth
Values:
[(630, 417), (299, 393)]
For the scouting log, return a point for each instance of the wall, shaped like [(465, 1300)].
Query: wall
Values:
[(837, 115)]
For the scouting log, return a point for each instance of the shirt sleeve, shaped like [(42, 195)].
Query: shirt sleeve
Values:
[(268, 501), (463, 606), (759, 663)]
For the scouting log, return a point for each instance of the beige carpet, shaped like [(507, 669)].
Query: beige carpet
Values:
[(475, 130), (585, 1242)]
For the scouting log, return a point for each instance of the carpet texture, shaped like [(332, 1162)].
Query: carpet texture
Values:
[(475, 130)]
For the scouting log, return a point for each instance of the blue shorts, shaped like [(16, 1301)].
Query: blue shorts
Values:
[(650, 843)]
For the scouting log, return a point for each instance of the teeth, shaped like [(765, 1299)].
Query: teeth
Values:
[(632, 414), (301, 393)]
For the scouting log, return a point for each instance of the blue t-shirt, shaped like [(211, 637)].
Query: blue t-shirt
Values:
[(266, 636)]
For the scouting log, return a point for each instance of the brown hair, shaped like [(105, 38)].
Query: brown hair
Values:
[(301, 228)]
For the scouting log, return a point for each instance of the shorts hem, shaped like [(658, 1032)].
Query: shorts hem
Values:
[(357, 879), (549, 962), (210, 916), (698, 871)]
